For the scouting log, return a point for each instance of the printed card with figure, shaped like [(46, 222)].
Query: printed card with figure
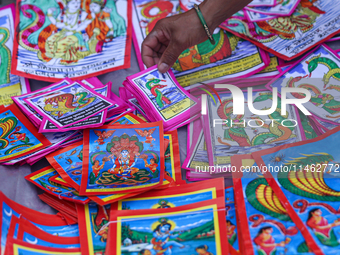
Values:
[(233, 234), (319, 73), (22, 229), (19, 137), (10, 85), (172, 174), (94, 121), (52, 224), (43, 179), (281, 8), (230, 57), (68, 162), (174, 196), (71, 38), (163, 94), (21, 247), (197, 228), (231, 134), (264, 222), (93, 228), (305, 177), (69, 104), (28, 110), (289, 37), (122, 159)]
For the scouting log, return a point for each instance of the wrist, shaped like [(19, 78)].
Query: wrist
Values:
[(217, 11), (209, 14)]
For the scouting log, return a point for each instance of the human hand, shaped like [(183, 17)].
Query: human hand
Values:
[(170, 37)]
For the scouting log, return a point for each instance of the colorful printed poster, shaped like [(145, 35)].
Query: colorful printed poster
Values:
[(318, 73), (93, 228), (128, 118), (42, 179), (10, 85), (242, 134), (69, 104), (282, 8), (17, 247), (52, 224), (162, 92), (18, 137), (230, 57), (173, 173), (197, 228), (256, 16), (122, 159), (231, 219), (56, 139), (27, 109), (262, 3), (305, 177), (22, 229), (75, 39), (270, 70), (197, 154), (94, 121), (59, 180), (68, 162), (264, 221), (174, 196), (312, 23)]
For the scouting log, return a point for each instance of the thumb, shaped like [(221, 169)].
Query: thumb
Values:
[(168, 57)]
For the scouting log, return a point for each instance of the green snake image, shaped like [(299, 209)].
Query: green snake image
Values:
[(238, 133), (323, 100), (311, 184), (66, 103), (7, 126), (319, 190), (334, 70), (5, 56), (258, 194), (160, 98)]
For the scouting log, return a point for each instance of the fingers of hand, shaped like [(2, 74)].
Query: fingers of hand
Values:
[(153, 47)]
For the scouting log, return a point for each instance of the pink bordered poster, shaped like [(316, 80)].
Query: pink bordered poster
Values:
[(318, 73), (10, 85), (71, 38), (281, 8), (230, 57), (312, 23)]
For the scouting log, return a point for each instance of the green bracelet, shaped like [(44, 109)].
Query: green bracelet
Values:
[(205, 26)]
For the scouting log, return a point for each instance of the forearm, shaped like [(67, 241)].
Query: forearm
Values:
[(217, 11)]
